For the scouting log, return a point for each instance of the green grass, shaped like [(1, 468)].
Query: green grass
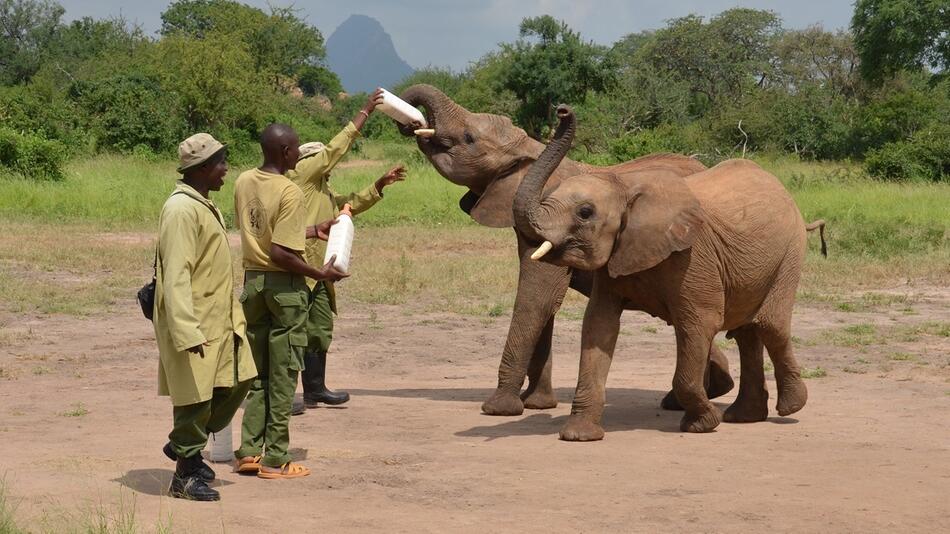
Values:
[(817, 372), (125, 192), (7, 512), (78, 410), (119, 517), (82, 245), (867, 218)]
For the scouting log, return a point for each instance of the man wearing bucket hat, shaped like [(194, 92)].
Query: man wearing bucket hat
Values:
[(270, 213), (205, 364), (312, 174)]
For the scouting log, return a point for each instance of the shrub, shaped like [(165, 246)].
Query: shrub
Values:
[(48, 114), (129, 111), (32, 155), (664, 138), (924, 157)]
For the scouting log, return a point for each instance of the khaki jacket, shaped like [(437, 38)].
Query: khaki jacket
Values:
[(195, 302), (312, 175)]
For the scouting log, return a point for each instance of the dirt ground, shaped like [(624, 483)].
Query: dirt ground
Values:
[(81, 427)]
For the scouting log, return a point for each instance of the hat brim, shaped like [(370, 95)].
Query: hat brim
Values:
[(200, 162)]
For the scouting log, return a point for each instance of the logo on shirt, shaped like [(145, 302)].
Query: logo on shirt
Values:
[(256, 217)]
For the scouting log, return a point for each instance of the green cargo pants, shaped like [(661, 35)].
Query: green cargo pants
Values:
[(275, 304), (320, 319), (193, 422)]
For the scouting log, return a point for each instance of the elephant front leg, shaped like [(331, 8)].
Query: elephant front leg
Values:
[(692, 351), (541, 289), (598, 340), (539, 395)]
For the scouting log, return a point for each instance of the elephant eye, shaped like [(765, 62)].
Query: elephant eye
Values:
[(585, 212), (468, 138)]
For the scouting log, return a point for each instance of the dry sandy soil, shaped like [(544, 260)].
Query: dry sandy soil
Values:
[(81, 427)]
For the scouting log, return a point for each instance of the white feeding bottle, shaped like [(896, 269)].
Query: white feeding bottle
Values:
[(222, 449), (400, 110), (340, 241)]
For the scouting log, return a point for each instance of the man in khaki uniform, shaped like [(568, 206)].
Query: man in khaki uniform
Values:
[(205, 364), (312, 174), (270, 212)]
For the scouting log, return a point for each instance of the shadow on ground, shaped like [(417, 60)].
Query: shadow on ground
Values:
[(627, 409), (155, 481)]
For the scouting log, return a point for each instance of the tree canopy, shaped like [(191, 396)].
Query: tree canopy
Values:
[(550, 64), (894, 35)]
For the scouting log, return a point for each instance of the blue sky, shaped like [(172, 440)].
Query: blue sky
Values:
[(453, 33)]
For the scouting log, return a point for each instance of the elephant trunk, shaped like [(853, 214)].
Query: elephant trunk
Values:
[(527, 203), (438, 107)]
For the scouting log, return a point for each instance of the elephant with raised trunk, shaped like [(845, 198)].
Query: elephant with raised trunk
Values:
[(489, 155), (720, 250)]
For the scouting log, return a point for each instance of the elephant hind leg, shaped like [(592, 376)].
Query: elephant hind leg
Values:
[(792, 392), (717, 380), (751, 404), (774, 326), (692, 355)]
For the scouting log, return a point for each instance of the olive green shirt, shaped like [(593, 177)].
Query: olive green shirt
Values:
[(322, 203), (268, 208), (195, 303)]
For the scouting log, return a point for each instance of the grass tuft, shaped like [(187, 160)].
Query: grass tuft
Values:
[(817, 372), (79, 410)]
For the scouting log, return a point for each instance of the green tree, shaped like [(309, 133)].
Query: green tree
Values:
[(280, 42), (26, 28), (214, 78), (721, 60), (88, 38), (318, 80), (815, 56), (550, 64), (892, 35)]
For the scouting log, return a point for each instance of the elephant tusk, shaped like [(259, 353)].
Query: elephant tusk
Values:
[(424, 132), (542, 250)]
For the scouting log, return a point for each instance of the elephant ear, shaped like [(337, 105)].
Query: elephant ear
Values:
[(663, 216), (494, 206)]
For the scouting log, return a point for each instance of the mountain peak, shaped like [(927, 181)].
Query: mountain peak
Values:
[(362, 54)]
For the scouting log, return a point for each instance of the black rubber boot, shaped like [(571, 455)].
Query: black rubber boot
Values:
[(297, 408), (186, 484), (203, 471), (314, 382)]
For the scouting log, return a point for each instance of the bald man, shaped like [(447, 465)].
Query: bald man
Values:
[(270, 212)]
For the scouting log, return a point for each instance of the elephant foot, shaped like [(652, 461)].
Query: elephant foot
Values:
[(539, 400), (701, 422), (580, 428), (792, 395), (747, 410), (670, 402), (503, 403), (720, 382)]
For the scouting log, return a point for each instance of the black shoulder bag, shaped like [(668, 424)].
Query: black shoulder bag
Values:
[(146, 295)]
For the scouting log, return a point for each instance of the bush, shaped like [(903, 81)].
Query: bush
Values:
[(50, 115), (663, 138), (32, 155), (131, 110), (925, 157)]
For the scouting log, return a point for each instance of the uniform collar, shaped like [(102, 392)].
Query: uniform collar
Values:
[(192, 192)]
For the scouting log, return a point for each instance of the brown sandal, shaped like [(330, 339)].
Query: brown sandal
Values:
[(248, 464), (288, 470)]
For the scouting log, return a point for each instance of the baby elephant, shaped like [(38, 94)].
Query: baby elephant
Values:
[(718, 250)]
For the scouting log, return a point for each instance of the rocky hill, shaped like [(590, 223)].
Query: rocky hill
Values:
[(362, 54)]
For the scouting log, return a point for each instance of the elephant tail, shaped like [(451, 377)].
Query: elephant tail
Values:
[(820, 226)]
